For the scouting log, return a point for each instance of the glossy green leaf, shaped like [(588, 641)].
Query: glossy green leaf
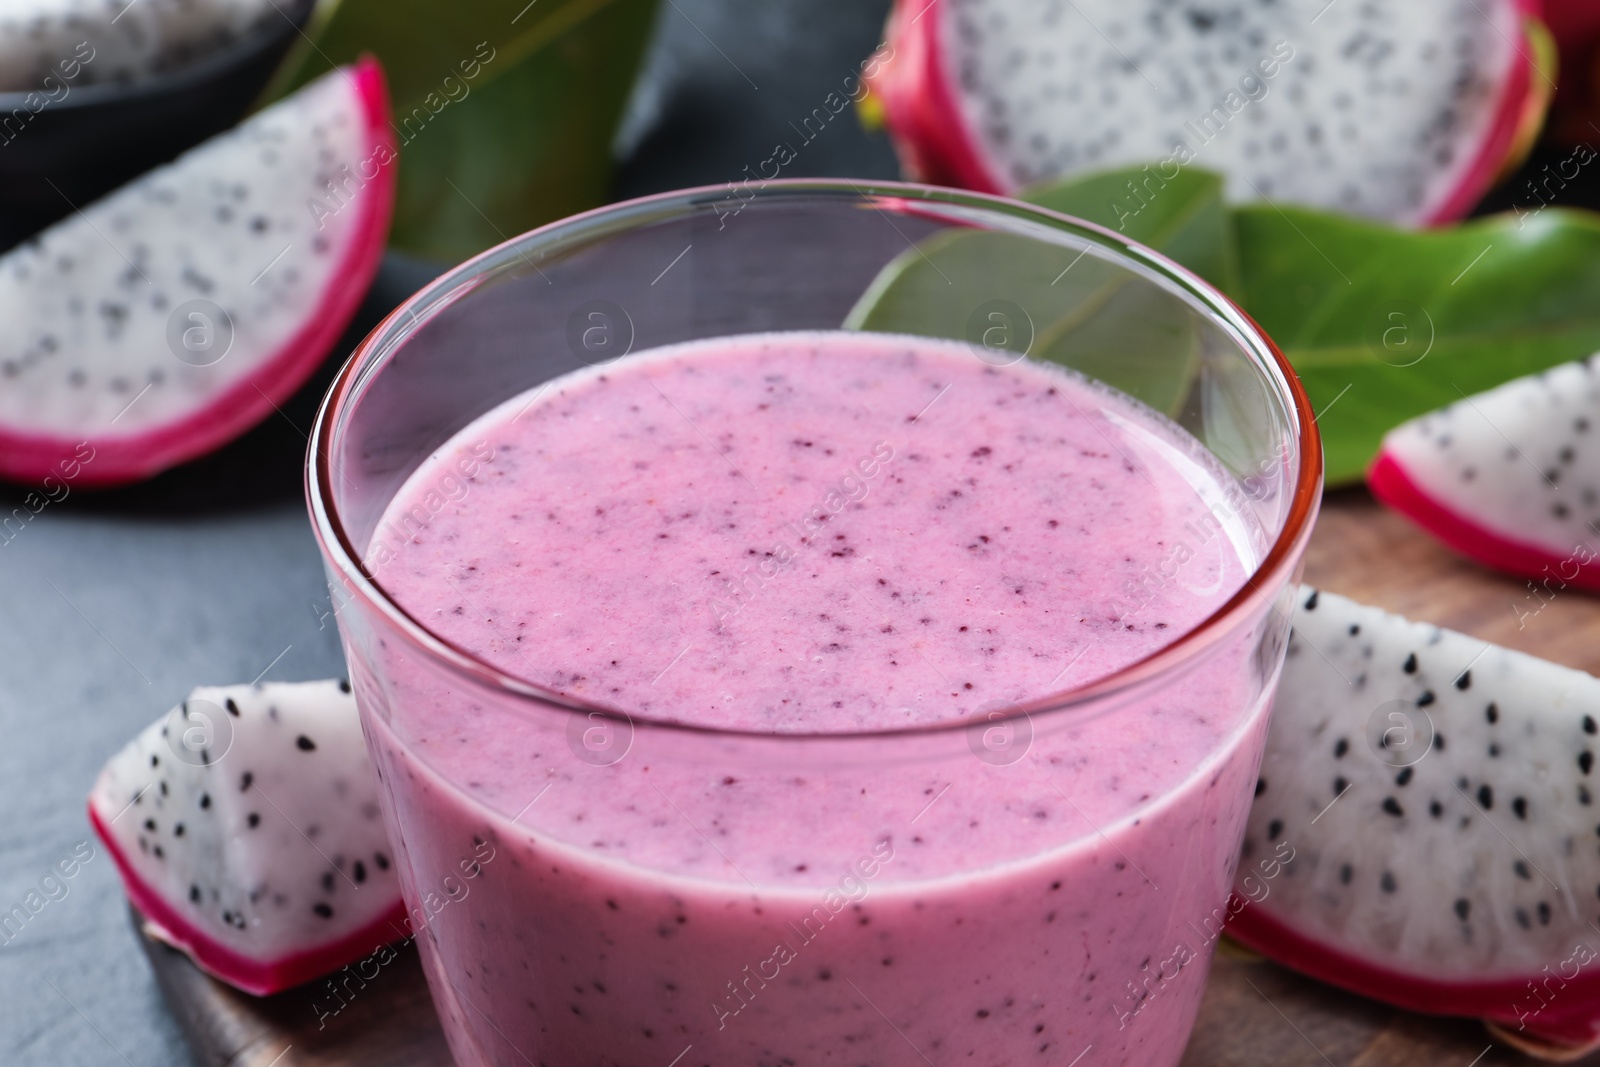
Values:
[(1010, 292), (505, 110), (1383, 325), (1184, 218)]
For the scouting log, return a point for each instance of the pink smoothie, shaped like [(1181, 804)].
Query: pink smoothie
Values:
[(807, 533)]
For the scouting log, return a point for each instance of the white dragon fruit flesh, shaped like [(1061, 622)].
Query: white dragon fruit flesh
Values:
[(246, 827), (169, 317), (1509, 477), (1399, 110), (1426, 809), (117, 40)]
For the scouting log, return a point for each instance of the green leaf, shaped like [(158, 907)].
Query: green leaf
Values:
[(1184, 218), (1383, 325), (505, 111), (1077, 310)]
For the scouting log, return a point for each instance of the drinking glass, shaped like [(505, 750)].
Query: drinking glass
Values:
[(1081, 926)]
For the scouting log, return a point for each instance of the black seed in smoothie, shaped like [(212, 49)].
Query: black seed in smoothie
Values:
[(1463, 908), (253, 820), (1340, 747), (323, 910), (305, 744)]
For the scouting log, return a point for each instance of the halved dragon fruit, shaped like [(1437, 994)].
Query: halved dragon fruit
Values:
[(1400, 110), (1509, 477), (171, 316), (1432, 800), (245, 824)]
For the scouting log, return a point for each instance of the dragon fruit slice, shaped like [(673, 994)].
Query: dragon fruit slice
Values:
[(173, 315), (1399, 110), (128, 42), (1424, 829), (1510, 477), (246, 827)]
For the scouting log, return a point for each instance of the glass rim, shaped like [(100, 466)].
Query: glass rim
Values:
[(1178, 655)]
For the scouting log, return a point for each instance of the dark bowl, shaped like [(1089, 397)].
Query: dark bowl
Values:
[(98, 137)]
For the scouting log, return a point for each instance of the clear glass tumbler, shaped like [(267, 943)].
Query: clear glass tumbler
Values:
[(1075, 925)]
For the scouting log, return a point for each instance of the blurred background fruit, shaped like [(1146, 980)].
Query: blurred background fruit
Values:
[(85, 110)]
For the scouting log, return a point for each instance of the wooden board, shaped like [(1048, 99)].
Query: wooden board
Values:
[(1255, 1013)]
